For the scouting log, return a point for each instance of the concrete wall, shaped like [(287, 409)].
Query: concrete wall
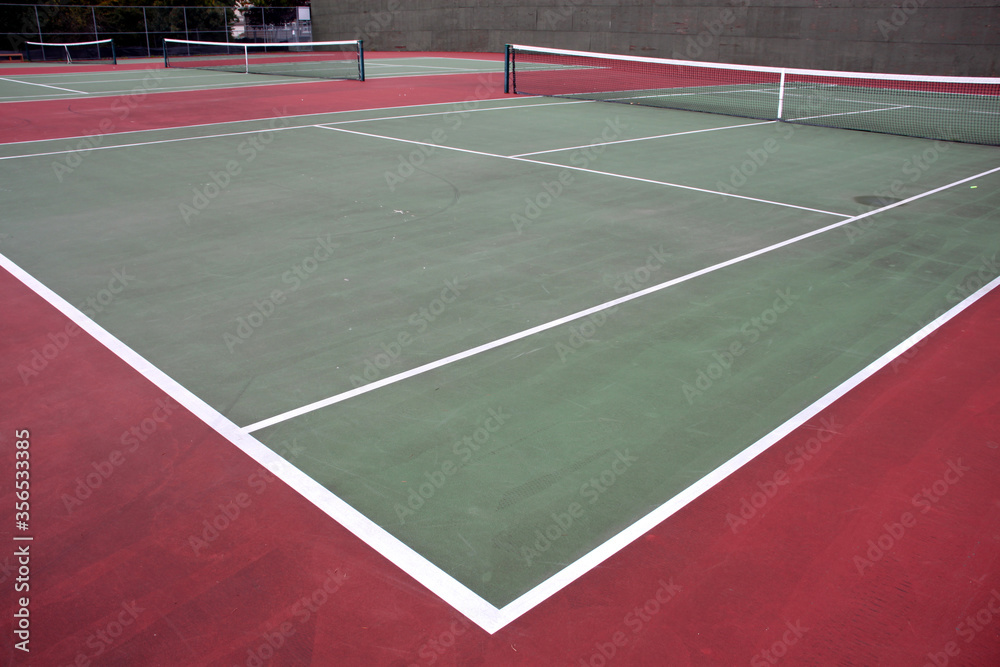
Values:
[(951, 37)]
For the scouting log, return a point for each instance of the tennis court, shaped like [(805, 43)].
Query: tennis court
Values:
[(498, 339), (144, 76)]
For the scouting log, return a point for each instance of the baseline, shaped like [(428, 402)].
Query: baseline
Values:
[(429, 575), (606, 550)]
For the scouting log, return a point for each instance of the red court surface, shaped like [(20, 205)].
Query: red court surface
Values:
[(77, 117), (869, 536)]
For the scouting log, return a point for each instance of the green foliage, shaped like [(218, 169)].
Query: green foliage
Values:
[(126, 22)]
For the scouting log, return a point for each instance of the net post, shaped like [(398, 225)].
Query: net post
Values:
[(781, 94), (506, 69), (114, 59), (69, 58), (246, 53), (361, 59), (166, 59)]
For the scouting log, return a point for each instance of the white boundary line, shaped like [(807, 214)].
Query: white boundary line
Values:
[(74, 76), (451, 111), (588, 171), (578, 568), (658, 136), (149, 143), (419, 370), (242, 132), (436, 580), (542, 101), (44, 85), (233, 134)]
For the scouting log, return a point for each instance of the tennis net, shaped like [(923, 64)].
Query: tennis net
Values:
[(70, 52), (322, 60), (935, 107)]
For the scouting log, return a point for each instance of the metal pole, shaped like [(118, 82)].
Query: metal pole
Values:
[(145, 27), (186, 35), (39, 24), (93, 15)]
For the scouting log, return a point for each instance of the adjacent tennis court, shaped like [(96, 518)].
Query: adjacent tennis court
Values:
[(146, 77), (501, 339)]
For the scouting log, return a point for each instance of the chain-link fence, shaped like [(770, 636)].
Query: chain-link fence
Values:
[(139, 31)]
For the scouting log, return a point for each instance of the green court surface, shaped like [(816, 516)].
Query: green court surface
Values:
[(23, 87), (270, 265)]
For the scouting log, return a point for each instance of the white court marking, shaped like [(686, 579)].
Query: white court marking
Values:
[(450, 590), (626, 141), (43, 85), (419, 370), (589, 171), (88, 149)]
